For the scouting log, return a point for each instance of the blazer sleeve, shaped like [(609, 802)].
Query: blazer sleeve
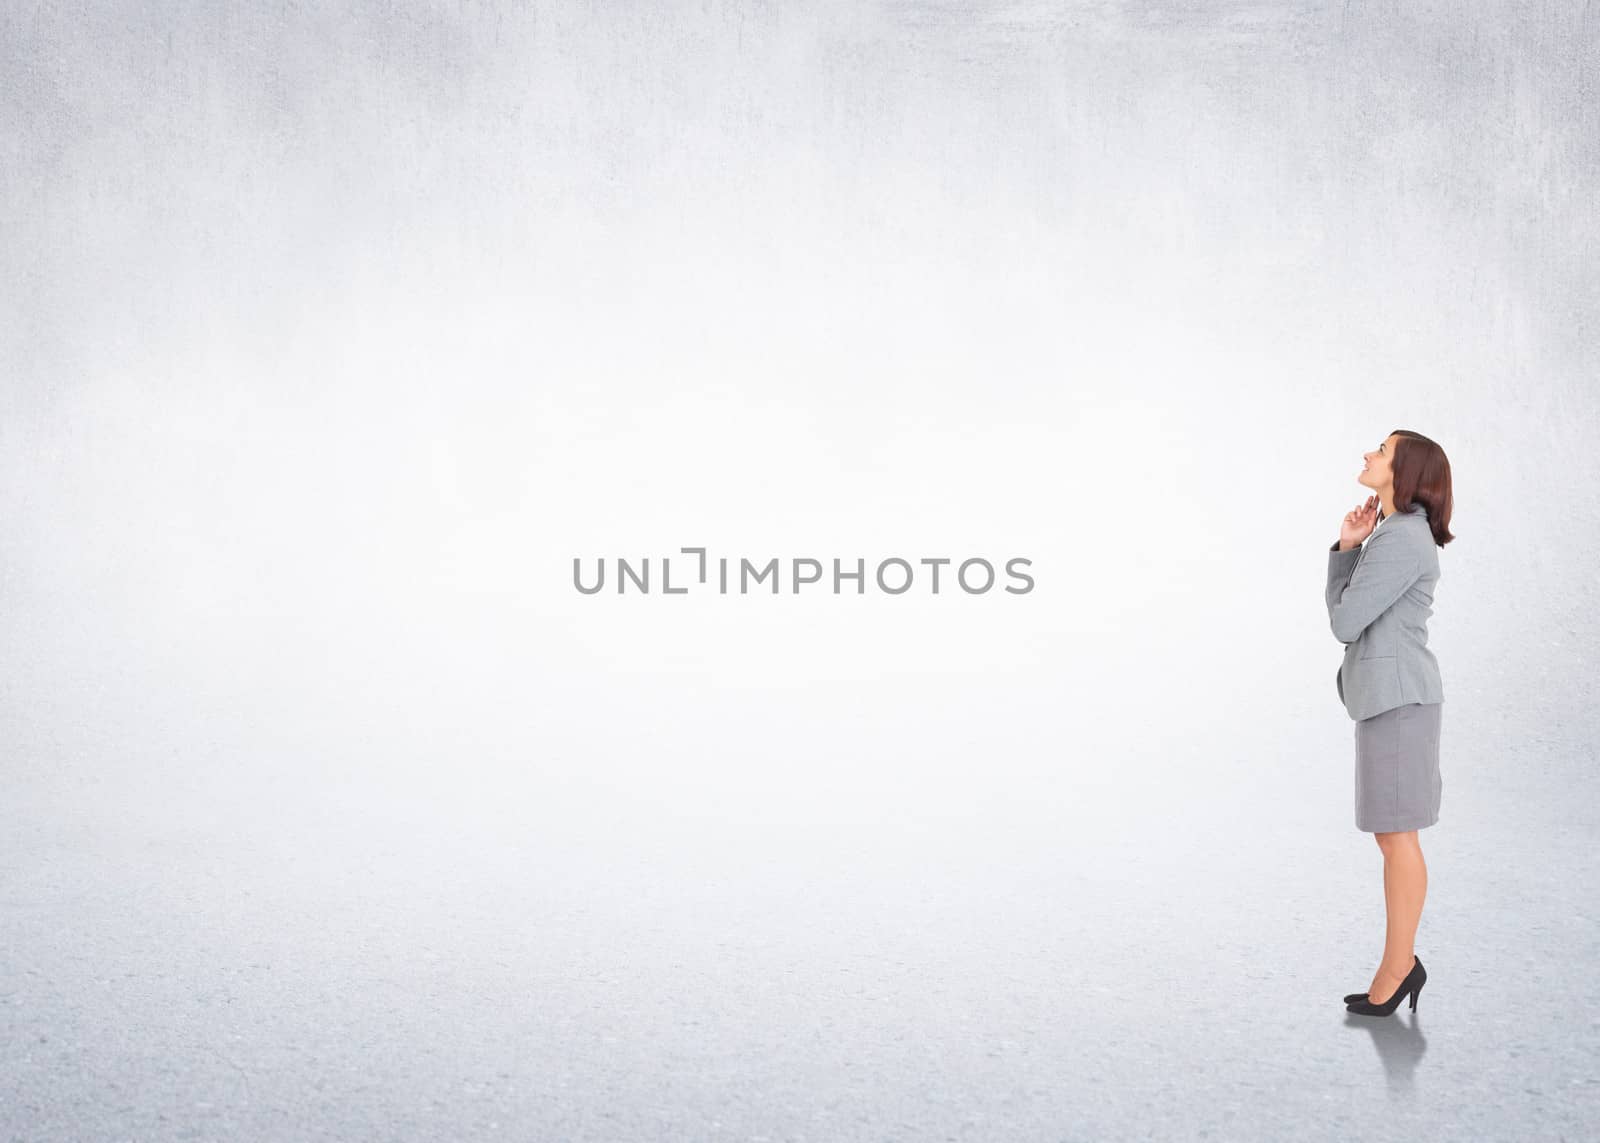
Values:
[(1362, 588)]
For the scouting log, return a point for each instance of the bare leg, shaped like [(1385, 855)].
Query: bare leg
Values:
[(1405, 885)]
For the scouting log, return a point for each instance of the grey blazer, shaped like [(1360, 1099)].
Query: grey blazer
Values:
[(1380, 596)]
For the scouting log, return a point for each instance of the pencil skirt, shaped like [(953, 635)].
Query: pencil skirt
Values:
[(1397, 769)]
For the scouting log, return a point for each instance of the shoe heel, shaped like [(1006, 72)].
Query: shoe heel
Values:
[(1415, 992)]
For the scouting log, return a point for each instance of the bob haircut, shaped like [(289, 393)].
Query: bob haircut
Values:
[(1422, 475)]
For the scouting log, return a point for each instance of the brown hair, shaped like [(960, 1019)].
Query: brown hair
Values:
[(1422, 475)]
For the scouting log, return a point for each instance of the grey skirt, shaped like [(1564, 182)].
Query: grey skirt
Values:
[(1397, 769)]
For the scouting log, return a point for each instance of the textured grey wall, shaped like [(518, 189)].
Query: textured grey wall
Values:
[(331, 334)]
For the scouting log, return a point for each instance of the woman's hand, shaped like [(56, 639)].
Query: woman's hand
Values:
[(1358, 524)]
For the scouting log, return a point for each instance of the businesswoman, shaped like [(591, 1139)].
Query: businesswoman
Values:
[(1381, 576)]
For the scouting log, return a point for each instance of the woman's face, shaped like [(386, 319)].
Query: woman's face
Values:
[(1377, 472)]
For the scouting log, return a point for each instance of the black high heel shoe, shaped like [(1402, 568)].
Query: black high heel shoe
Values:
[(1412, 984)]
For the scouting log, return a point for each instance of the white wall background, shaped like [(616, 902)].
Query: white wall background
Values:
[(330, 335)]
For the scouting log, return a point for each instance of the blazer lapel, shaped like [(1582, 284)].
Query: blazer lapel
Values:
[(1386, 522)]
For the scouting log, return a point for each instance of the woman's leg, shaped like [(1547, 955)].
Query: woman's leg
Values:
[(1405, 884)]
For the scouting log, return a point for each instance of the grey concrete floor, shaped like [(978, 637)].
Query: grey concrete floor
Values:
[(281, 960)]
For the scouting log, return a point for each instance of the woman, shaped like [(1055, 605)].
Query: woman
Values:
[(1380, 595)]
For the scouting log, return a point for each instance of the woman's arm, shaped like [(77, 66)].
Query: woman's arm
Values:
[(1359, 593)]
